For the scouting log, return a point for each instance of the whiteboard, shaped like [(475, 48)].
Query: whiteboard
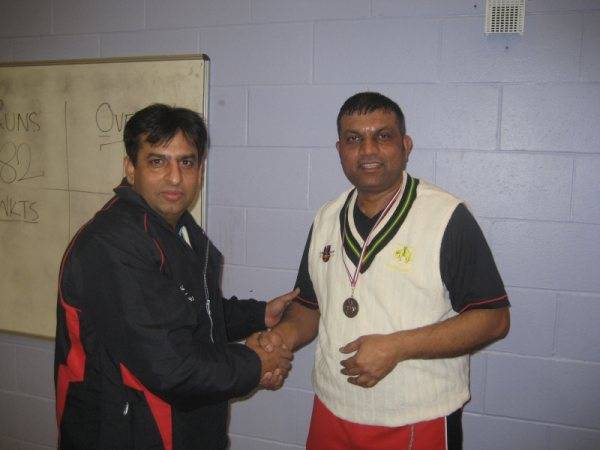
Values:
[(61, 154)]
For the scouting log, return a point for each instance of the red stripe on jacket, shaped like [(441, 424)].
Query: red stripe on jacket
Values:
[(161, 410), (75, 367)]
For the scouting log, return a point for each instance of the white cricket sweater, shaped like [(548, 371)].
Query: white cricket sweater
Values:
[(401, 289)]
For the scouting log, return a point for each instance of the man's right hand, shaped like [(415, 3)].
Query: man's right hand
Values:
[(275, 362), (269, 341)]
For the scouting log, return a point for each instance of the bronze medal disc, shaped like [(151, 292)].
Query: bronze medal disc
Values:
[(350, 307)]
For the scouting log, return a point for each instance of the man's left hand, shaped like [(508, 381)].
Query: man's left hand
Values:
[(276, 307), (376, 356)]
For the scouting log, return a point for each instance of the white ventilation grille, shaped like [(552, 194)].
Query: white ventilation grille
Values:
[(504, 16)]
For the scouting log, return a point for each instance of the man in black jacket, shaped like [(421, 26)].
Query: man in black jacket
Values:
[(145, 344)]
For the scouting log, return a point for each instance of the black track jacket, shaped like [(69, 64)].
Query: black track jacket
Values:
[(143, 358)]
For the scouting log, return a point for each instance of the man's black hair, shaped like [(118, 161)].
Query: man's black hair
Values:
[(158, 124), (368, 102)]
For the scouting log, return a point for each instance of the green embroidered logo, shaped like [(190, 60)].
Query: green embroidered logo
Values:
[(401, 259), (404, 254)]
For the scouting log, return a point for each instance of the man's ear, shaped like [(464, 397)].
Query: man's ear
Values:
[(408, 144), (337, 146), (129, 170)]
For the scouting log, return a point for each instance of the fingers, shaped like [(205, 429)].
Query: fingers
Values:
[(287, 298), (277, 352), (284, 352), (350, 370), (284, 366), (363, 381), (277, 306), (279, 361), (266, 379), (284, 300), (349, 363), (269, 340), (284, 360), (271, 381), (375, 357), (351, 347), (291, 295), (274, 380), (272, 342), (360, 368)]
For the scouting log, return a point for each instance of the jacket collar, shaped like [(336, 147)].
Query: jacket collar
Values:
[(125, 192)]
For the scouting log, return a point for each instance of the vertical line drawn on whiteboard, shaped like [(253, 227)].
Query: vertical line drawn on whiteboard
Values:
[(67, 147), (68, 168)]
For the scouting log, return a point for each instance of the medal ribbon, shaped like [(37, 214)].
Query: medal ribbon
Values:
[(354, 277)]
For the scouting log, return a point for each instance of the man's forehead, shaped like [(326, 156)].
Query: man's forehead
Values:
[(379, 117), (178, 144)]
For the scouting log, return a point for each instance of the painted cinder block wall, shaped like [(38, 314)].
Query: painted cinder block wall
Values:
[(508, 123)]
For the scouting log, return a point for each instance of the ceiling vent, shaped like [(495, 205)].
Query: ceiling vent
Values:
[(504, 16)]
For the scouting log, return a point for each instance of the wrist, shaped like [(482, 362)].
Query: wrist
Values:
[(404, 346)]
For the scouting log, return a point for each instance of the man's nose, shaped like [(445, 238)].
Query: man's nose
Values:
[(369, 145), (174, 172)]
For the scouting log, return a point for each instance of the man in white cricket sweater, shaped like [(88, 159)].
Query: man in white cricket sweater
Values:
[(400, 285)]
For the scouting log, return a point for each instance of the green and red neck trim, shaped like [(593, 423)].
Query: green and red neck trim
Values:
[(352, 240)]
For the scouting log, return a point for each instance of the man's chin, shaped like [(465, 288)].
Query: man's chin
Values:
[(370, 188), (171, 214)]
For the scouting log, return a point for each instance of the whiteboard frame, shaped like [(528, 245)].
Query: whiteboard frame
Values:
[(203, 197)]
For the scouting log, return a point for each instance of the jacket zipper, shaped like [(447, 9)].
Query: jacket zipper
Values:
[(206, 296)]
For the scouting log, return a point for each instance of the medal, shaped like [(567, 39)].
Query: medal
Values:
[(350, 305)]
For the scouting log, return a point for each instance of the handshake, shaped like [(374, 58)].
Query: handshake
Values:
[(275, 358)]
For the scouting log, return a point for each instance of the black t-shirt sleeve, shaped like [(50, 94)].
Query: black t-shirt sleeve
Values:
[(467, 265), (307, 296)]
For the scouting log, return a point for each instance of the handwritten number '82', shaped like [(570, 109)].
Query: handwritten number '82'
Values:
[(15, 162)]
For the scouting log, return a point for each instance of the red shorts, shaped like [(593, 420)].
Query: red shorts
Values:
[(328, 432)]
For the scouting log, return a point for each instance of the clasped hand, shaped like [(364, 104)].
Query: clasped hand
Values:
[(275, 358)]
